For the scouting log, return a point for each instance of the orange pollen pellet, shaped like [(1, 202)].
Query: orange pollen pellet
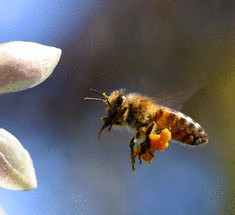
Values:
[(161, 141)]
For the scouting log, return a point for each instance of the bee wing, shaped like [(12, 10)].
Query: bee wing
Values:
[(170, 96), (170, 99)]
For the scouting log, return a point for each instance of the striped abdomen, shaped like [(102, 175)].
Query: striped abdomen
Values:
[(183, 128)]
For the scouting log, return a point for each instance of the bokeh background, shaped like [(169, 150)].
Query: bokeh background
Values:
[(181, 52)]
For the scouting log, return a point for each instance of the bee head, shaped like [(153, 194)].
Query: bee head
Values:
[(115, 101), (114, 107)]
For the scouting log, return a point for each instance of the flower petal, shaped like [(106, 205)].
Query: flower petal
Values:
[(16, 166), (25, 64), (2, 212)]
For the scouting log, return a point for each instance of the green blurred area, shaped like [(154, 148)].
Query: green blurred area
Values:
[(215, 105)]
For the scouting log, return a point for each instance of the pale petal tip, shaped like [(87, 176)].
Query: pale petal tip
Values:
[(16, 166), (2, 212), (30, 186), (51, 59), (25, 64)]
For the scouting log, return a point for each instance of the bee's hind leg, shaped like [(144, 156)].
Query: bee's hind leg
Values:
[(132, 151), (143, 148), (146, 144)]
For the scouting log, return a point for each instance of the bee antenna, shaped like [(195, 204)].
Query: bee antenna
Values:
[(96, 91), (94, 99), (102, 94)]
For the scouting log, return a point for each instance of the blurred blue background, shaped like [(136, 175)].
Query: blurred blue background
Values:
[(178, 52)]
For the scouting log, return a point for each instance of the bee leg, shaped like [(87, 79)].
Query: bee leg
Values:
[(132, 145), (143, 149), (150, 128), (123, 111), (140, 160), (146, 143)]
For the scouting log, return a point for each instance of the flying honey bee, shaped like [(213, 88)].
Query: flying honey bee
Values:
[(153, 124)]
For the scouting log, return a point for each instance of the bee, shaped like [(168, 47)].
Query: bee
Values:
[(154, 125)]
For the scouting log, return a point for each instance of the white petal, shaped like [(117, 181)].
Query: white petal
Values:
[(2, 212), (16, 166), (25, 64)]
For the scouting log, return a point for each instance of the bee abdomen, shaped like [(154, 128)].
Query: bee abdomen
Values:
[(183, 128)]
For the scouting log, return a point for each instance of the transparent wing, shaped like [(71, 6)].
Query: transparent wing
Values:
[(168, 95)]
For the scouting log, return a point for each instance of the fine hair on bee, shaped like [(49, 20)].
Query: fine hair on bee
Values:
[(147, 119)]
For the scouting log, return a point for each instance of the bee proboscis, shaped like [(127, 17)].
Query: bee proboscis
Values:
[(153, 124)]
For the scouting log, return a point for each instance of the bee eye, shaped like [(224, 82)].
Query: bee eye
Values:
[(119, 101)]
